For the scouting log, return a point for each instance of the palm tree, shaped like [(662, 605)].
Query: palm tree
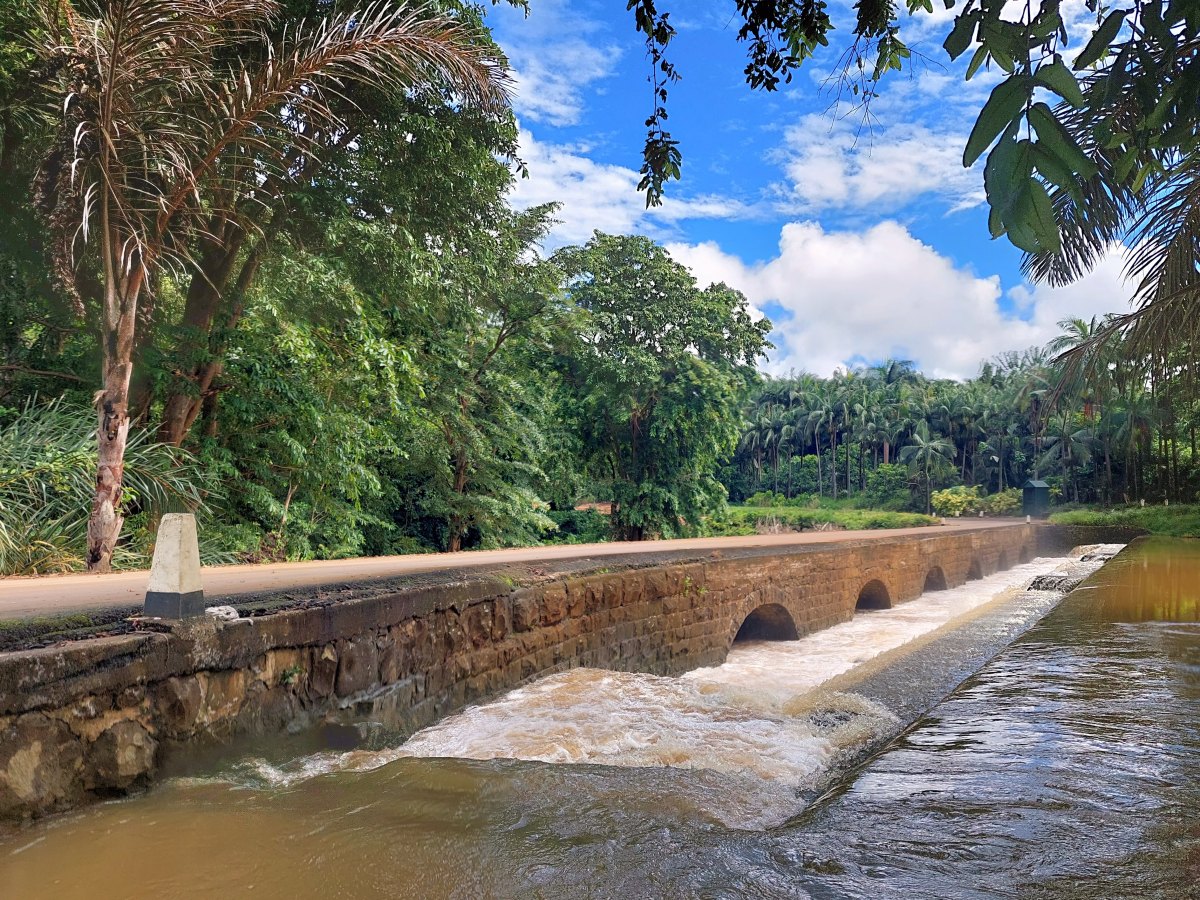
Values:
[(1069, 449), (173, 112), (924, 453)]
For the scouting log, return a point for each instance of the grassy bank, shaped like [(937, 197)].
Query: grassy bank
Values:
[(743, 520), (1182, 520)]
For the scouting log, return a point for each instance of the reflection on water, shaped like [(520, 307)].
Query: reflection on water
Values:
[(1161, 582), (1065, 768)]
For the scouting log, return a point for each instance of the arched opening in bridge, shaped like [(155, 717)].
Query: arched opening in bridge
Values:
[(874, 595), (935, 580), (1002, 562), (770, 622), (975, 572)]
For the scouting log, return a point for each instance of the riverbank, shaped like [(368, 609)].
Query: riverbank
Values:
[(1180, 520)]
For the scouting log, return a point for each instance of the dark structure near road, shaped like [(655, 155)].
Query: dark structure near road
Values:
[(1036, 497)]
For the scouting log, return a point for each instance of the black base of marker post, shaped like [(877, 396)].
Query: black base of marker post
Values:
[(174, 605)]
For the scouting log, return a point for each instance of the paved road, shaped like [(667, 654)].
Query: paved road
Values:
[(22, 598)]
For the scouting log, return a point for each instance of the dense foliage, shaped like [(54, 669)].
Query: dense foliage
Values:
[(1118, 428), (341, 340)]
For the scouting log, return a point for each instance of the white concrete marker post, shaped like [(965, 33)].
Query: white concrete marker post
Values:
[(174, 591)]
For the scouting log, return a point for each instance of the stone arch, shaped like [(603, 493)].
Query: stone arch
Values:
[(935, 580), (874, 595), (975, 572), (1002, 562), (769, 622)]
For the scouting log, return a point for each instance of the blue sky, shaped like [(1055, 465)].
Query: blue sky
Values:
[(859, 239)]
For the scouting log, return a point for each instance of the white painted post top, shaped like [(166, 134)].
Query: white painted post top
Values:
[(176, 566)]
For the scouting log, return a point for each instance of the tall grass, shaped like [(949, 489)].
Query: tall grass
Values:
[(744, 520), (1182, 520), (47, 472)]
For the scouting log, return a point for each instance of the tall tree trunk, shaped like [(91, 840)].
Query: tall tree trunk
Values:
[(833, 461), (928, 491), (112, 411), (1108, 473), (848, 467), (820, 477), (201, 305), (209, 290)]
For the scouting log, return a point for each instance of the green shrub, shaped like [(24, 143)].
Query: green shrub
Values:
[(1003, 503), (578, 526), (1181, 520), (956, 501), (765, 498), (887, 488), (743, 520), (47, 479)]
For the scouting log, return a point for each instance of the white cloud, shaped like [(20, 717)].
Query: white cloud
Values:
[(556, 55), (910, 146), (835, 166), (849, 296), (602, 196)]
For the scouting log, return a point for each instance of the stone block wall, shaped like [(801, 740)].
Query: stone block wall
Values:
[(96, 718)]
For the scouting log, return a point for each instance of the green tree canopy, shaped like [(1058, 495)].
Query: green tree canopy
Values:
[(658, 373)]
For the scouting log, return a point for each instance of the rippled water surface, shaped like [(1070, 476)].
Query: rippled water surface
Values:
[(1066, 767)]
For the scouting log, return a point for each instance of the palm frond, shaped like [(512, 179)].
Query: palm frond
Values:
[(47, 467)]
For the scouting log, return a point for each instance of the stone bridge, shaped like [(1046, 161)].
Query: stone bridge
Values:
[(96, 718)]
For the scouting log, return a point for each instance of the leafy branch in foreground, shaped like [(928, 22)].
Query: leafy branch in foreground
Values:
[(1139, 58)]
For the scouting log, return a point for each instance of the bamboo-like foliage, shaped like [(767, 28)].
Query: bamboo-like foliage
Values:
[(47, 463)]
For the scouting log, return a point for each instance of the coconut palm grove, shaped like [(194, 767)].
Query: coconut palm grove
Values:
[(259, 261)]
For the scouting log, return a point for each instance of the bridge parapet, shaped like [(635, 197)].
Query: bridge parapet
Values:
[(96, 718)]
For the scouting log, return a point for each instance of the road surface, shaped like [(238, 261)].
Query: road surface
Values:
[(52, 595)]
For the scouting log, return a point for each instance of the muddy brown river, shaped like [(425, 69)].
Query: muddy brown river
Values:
[(855, 763)]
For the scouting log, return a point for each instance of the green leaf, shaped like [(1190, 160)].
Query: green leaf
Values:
[(1059, 142), (995, 222), (1003, 106), (1023, 237), (1158, 116), (1123, 167), (1007, 42), (1056, 171), (1140, 179), (1059, 79), (976, 61), (1046, 24), (1009, 165), (961, 34), (1039, 214), (1101, 40)]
